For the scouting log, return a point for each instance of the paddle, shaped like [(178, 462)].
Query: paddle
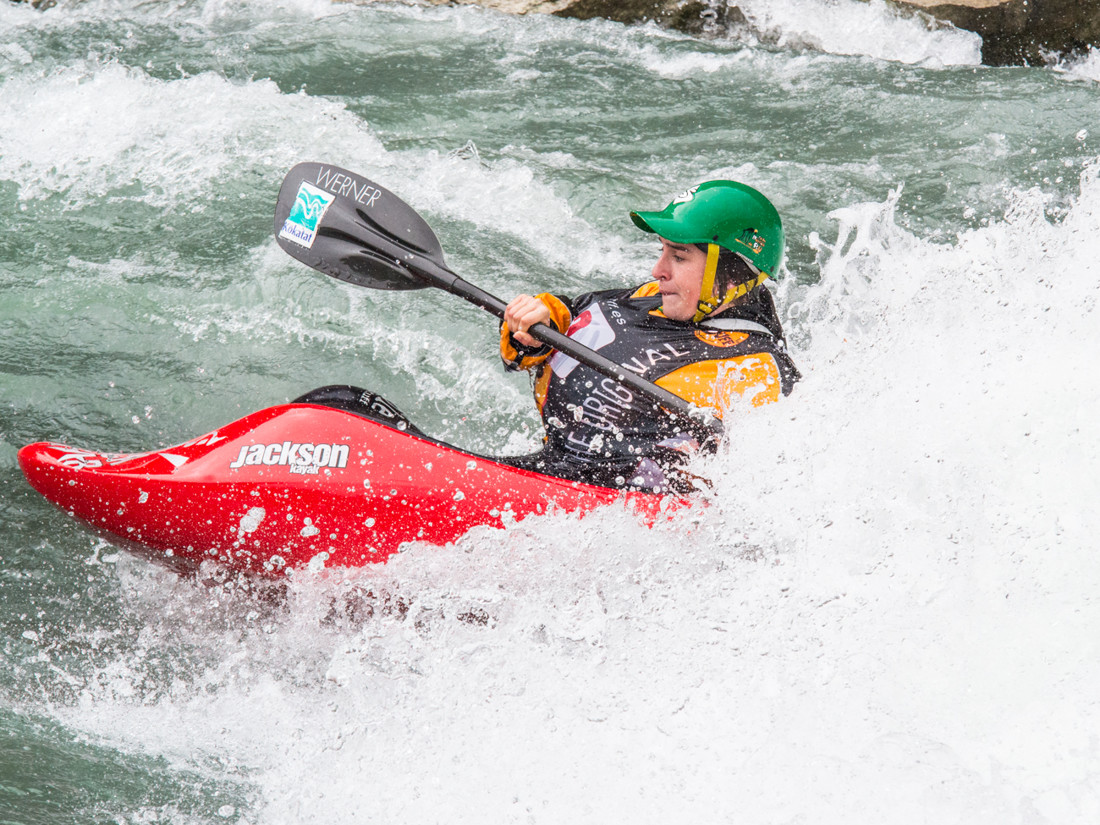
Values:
[(348, 227)]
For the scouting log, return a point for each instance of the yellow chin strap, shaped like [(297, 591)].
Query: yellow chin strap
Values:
[(708, 301)]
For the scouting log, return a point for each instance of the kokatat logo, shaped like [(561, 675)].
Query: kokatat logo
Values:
[(305, 215)]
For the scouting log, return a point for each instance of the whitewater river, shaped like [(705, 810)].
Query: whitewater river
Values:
[(889, 614)]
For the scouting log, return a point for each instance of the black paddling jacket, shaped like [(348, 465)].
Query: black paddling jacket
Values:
[(736, 357)]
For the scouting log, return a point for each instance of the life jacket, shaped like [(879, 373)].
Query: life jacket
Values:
[(737, 357)]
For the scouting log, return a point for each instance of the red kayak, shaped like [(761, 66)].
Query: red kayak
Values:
[(338, 477)]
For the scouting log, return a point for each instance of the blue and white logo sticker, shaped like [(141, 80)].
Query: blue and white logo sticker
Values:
[(305, 216)]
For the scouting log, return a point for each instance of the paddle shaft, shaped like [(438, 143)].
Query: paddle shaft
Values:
[(450, 282)]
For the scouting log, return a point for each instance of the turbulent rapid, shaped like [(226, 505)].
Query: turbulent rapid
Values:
[(886, 614)]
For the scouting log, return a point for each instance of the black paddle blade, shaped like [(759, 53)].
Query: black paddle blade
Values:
[(348, 227)]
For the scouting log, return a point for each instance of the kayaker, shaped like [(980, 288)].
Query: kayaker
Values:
[(705, 328)]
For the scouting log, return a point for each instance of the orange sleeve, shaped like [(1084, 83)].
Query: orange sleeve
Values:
[(721, 384), (560, 317)]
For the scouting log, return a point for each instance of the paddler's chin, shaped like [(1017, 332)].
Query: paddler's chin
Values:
[(674, 306)]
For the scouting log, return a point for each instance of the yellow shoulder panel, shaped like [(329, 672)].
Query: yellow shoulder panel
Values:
[(721, 384)]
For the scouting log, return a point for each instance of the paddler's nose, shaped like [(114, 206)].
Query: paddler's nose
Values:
[(661, 269)]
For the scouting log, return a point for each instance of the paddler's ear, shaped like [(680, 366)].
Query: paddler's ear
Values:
[(733, 270)]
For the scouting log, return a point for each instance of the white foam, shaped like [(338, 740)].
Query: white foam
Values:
[(1085, 67), (505, 197), (897, 559), (680, 65), (854, 27), (62, 133)]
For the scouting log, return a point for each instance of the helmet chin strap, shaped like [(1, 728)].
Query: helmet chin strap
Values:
[(708, 301)]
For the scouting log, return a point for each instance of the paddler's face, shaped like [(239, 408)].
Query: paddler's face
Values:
[(679, 275)]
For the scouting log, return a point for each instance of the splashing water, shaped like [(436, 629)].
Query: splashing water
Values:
[(887, 610)]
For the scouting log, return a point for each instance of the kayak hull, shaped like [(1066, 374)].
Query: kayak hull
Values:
[(302, 484)]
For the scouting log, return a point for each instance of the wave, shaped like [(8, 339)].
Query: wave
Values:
[(856, 27), (894, 560), (1085, 67)]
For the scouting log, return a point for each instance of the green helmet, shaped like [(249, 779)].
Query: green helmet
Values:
[(722, 212)]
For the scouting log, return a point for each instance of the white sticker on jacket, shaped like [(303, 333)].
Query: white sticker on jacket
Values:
[(591, 329)]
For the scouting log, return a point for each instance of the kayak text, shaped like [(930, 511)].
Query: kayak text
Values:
[(306, 459)]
